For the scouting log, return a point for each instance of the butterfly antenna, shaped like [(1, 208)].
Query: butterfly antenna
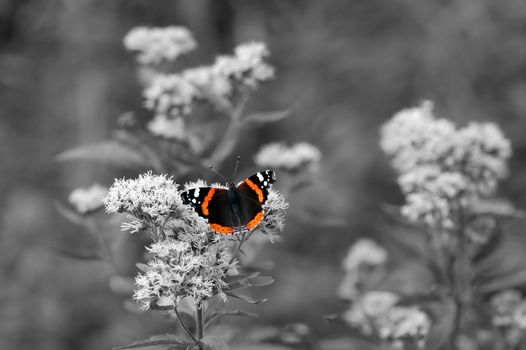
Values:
[(235, 169), (217, 173)]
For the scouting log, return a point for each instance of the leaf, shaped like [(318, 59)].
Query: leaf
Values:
[(220, 313), (501, 208), (511, 280), (143, 267), (78, 254), (266, 117), (262, 346), (246, 298), (108, 152), (442, 325), (163, 339), (214, 343), (256, 281), (489, 247), (70, 214)]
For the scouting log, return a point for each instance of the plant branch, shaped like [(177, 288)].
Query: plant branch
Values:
[(183, 325)]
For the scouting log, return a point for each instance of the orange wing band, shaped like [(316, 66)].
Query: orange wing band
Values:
[(224, 230), (207, 200), (255, 189), (255, 221)]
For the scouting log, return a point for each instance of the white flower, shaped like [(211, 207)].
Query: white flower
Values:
[(89, 199), (278, 155), (149, 198), (364, 252), (366, 310), (167, 128), (415, 137), (404, 324), (170, 95), (208, 83), (441, 167), (377, 303), (156, 45), (504, 305), (180, 269), (483, 151), (247, 66)]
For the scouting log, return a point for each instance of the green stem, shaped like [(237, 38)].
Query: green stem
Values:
[(183, 325), (199, 325), (231, 135)]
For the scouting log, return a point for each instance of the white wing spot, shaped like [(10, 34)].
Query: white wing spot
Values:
[(193, 200), (265, 183), (196, 193), (260, 177)]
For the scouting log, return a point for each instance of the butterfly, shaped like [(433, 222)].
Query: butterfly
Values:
[(234, 209)]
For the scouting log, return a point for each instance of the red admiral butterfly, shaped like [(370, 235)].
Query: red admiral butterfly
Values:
[(235, 209)]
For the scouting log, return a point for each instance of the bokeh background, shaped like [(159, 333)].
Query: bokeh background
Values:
[(343, 68)]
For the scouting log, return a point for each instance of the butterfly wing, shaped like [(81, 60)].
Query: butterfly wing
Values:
[(212, 204), (253, 193)]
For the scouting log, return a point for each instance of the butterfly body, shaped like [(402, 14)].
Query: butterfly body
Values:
[(233, 209)]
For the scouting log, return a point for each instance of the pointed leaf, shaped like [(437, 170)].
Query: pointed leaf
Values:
[(246, 298), (256, 281), (108, 152), (70, 214), (214, 343), (77, 254), (220, 313), (266, 117), (164, 339)]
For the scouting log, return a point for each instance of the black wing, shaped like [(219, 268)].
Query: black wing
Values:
[(253, 193), (212, 203)]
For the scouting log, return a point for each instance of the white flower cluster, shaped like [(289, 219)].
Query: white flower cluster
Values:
[(364, 252), (440, 165), (279, 156), (179, 269), (246, 66), (86, 200), (375, 312), (149, 199), (164, 127), (157, 45), (170, 95), (509, 309), (361, 262)]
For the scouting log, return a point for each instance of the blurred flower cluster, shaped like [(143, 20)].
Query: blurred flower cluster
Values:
[(157, 45), (277, 155), (449, 177), (509, 315), (375, 313), (441, 167), (86, 200)]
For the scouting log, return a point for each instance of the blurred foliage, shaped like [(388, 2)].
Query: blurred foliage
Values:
[(343, 67)]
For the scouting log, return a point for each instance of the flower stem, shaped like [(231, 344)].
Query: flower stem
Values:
[(187, 331), (199, 325)]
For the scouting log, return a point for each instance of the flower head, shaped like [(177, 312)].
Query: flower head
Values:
[(364, 252), (149, 199), (178, 270), (170, 95), (401, 325), (167, 128), (208, 83), (441, 167), (157, 45), (246, 66), (279, 156), (86, 200)]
